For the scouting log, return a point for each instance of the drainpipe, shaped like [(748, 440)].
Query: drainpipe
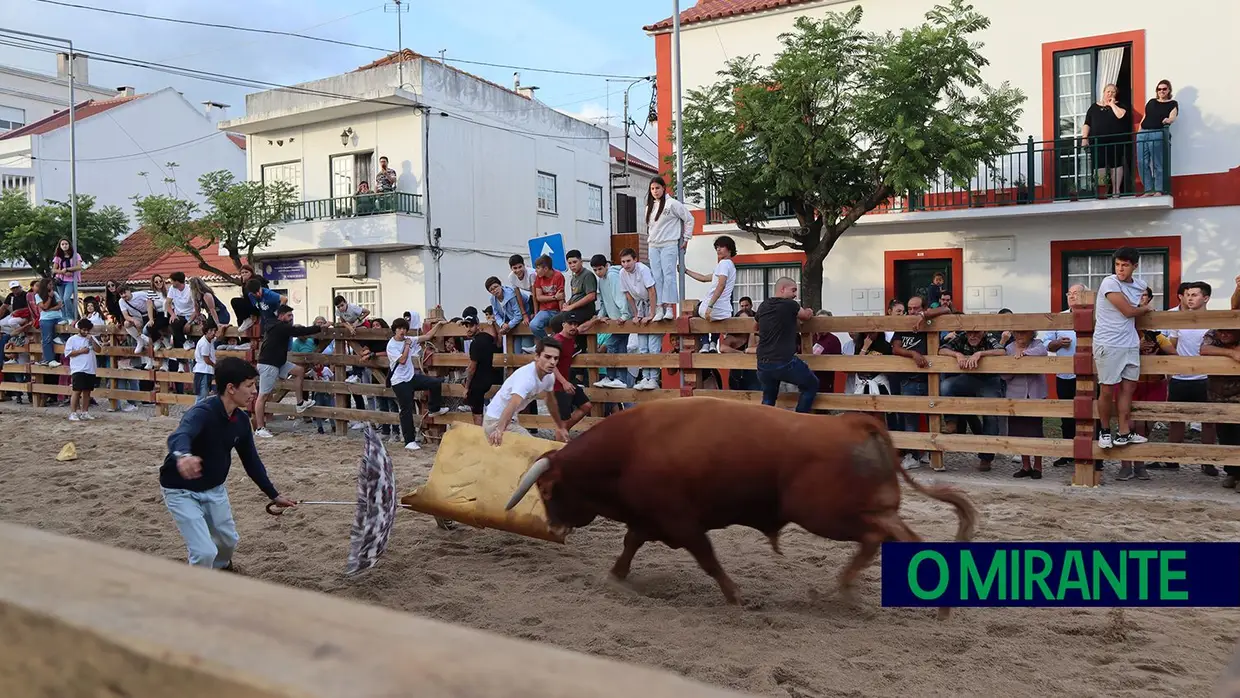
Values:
[(432, 235)]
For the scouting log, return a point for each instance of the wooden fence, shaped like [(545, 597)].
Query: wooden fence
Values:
[(681, 368), (80, 618)]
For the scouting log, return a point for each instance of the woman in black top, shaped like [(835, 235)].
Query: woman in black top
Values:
[(1160, 113), (1107, 122)]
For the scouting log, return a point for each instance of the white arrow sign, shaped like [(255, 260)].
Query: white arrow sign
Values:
[(546, 250)]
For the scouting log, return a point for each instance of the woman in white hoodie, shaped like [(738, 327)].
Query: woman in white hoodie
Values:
[(669, 226)]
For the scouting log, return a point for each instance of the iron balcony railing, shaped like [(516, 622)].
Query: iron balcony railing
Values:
[(1042, 172), (358, 205)]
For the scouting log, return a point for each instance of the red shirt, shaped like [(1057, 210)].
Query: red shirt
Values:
[(567, 346), (549, 286)]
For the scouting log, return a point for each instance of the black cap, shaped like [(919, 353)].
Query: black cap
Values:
[(469, 320), (572, 316), (469, 310)]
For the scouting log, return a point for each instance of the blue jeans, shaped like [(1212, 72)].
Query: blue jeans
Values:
[(617, 344), (796, 372), (66, 289), (538, 323), (1150, 159), (663, 262), (47, 328), (919, 388), (966, 385), (205, 521), (202, 385)]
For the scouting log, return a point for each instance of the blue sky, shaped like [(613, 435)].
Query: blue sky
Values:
[(588, 36)]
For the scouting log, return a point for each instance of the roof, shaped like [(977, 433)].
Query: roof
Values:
[(237, 139), (719, 9), (60, 119), (137, 259), (618, 154), (410, 55)]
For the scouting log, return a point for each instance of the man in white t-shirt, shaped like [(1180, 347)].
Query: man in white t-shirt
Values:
[(522, 388), (1187, 342), (80, 354), (405, 379), (1117, 347), (520, 277), (1063, 343), (637, 281), (717, 303), (181, 307), (204, 360)]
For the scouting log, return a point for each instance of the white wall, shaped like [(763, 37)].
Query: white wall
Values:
[(400, 278), (115, 146), (1194, 47), (40, 95)]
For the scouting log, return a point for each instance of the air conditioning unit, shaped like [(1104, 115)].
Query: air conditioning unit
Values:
[(351, 264)]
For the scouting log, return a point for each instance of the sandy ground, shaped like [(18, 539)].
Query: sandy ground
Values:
[(793, 636)]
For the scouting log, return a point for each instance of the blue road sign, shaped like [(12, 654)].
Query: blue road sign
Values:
[(552, 245)]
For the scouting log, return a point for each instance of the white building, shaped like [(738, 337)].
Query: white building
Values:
[(481, 170), (631, 172), (27, 97), (118, 139), (1018, 256)]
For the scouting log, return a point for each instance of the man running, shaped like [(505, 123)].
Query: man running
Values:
[(199, 456)]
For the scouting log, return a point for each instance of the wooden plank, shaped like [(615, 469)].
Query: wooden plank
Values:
[(372, 389), (84, 618), (341, 413), (175, 399)]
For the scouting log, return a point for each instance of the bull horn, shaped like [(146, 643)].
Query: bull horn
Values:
[(531, 476)]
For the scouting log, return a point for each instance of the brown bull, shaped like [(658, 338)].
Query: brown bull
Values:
[(674, 469)]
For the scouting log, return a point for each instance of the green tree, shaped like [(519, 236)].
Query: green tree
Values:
[(31, 233), (840, 121), (240, 216)]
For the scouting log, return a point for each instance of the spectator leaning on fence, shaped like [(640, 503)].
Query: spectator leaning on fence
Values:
[(204, 361), (1026, 386), (480, 374), (913, 345), (640, 294), (570, 394), (1117, 346), (614, 307), (510, 306), (350, 315), (1225, 389), (778, 335), (519, 276), (1187, 342), (405, 378), (968, 348), (548, 295), (1062, 343)]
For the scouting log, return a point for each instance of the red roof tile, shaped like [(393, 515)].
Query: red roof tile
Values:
[(719, 9), (618, 154), (138, 258), (238, 139), (410, 55), (60, 119)]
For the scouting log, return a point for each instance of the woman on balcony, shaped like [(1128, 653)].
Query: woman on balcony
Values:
[(669, 227), (1160, 113), (1107, 122)]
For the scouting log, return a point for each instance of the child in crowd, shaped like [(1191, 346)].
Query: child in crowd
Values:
[(322, 372), (80, 353), (1023, 386), (204, 360)]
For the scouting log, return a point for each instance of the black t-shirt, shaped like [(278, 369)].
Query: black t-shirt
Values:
[(1155, 112), (777, 330), (16, 300), (1102, 121), (482, 350), (879, 346)]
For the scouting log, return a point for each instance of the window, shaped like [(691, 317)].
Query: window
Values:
[(284, 172), (20, 183), (1080, 76), (349, 171), (365, 296), (758, 281), (594, 203), (546, 192), (1090, 268), (11, 118)]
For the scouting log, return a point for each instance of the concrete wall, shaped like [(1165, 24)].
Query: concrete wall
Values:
[(41, 95)]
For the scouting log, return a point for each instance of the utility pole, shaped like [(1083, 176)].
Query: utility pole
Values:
[(680, 151), (398, 7)]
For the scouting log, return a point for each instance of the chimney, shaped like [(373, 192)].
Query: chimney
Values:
[(527, 92), (215, 111), (80, 74), (124, 91), (516, 82)]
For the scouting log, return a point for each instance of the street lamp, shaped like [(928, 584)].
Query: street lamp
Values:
[(680, 153)]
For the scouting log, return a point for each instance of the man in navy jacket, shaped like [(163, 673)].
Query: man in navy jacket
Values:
[(199, 456)]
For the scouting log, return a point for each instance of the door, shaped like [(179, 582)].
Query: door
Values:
[(1080, 76), (343, 177), (914, 276)]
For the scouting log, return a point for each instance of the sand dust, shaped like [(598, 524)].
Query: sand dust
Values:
[(793, 637)]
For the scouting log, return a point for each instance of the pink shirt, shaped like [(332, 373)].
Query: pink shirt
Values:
[(1027, 386), (59, 262)]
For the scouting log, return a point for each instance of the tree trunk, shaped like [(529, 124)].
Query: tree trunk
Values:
[(811, 283)]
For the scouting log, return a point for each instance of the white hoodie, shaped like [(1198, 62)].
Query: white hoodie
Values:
[(672, 226)]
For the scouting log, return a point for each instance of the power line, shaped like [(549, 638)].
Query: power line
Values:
[(338, 42)]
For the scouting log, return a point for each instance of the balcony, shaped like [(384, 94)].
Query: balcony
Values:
[(1044, 177), (373, 222)]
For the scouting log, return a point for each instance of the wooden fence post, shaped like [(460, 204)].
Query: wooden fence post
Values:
[(1083, 405), (435, 428), (687, 344), (933, 382)]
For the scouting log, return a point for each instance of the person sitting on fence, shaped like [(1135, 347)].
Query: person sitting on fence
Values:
[(183, 309), (204, 361), (273, 365), (583, 288), (968, 349), (1117, 346), (613, 307), (717, 303), (266, 304), (199, 457), (510, 306), (350, 315), (243, 309), (519, 276), (778, 336), (211, 304), (83, 365), (639, 293), (405, 378), (1026, 386), (526, 384), (570, 392), (90, 311), (480, 375), (548, 295), (1225, 389)]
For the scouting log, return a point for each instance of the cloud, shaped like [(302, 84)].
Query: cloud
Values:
[(592, 112)]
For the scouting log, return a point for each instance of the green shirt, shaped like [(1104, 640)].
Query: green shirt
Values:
[(582, 284)]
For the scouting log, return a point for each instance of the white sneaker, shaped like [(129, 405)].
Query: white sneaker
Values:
[(646, 384), (615, 384), (910, 462), (1195, 426), (708, 348), (264, 433), (302, 407), (413, 446), (1135, 438), (462, 408), (1104, 440), (658, 315), (188, 344), (437, 413), (925, 458), (241, 347), (73, 417), (142, 342), (87, 416), (1015, 459), (357, 426), (128, 407), (527, 350), (53, 364)]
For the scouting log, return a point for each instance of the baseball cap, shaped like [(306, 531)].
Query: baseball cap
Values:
[(572, 316), (15, 284), (469, 320)]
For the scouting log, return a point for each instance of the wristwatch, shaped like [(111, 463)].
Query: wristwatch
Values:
[(178, 455)]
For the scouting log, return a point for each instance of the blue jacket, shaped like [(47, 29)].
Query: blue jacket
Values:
[(507, 311), (207, 431)]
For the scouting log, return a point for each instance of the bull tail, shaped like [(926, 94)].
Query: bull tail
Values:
[(965, 510)]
